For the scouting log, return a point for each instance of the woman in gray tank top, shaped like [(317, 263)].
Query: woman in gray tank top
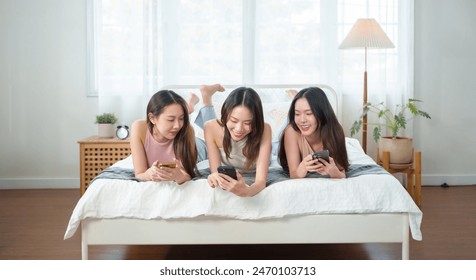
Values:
[(240, 138)]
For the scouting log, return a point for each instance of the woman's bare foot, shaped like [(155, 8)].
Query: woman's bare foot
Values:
[(192, 101), (207, 92), (291, 92)]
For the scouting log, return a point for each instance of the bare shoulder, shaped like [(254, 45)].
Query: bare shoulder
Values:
[(289, 129), (267, 128), (290, 133), (213, 126), (214, 132), (139, 127), (140, 124)]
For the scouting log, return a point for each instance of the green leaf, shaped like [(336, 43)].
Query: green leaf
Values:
[(413, 108), (355, 127), (365, 110), (400, 120), (423, 114), (106, 118), (387, 118), (377, 132)]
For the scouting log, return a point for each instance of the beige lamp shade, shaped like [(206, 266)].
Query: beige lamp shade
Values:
[(366, 33)]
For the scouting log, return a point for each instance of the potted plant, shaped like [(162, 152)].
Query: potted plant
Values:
[(106, 123), (400, 148)]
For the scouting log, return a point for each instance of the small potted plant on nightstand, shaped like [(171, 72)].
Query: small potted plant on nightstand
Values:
[(106, 123), (400, 147)]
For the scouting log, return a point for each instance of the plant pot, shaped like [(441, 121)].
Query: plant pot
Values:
[(400, 148), (105, 130)]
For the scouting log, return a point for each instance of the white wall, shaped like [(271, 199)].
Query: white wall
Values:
[(445, 78), (43, 104), (44, 110)]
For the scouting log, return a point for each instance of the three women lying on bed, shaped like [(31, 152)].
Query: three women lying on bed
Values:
[(240, 138)]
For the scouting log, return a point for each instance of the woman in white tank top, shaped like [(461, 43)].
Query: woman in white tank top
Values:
[(241, 139)]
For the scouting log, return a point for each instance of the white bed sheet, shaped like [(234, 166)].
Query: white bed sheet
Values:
[(106, 198)]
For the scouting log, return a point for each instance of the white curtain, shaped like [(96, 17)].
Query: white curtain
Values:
[(138, 47)]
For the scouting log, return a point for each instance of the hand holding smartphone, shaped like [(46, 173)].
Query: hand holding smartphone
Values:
[(228, 170), (324, 154)]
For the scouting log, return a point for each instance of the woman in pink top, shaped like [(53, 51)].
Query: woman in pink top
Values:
[(165, 136), (313, 126)]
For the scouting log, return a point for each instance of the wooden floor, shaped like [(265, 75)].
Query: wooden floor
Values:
[(33, 222)]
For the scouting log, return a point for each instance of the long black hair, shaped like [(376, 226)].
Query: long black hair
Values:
[(331, 132), (184, 142), (249, 98)]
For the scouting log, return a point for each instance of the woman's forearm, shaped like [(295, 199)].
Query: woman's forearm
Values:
[(184, 178), (256, 187), (299, 172), (338, 175), (143, 176)]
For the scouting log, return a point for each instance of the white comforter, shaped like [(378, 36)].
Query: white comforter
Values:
[(106, 198)]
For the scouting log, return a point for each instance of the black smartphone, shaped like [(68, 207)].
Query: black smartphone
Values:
[(228, 170), (324, 154)]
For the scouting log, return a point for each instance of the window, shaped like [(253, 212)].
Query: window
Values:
[(137, 47)]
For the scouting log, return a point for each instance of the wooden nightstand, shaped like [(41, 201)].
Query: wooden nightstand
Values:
[(96, 154)]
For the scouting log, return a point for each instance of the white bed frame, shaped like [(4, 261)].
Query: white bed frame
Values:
[(332, 228), (329, 228)]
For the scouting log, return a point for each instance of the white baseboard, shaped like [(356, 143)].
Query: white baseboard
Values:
[(455, 180), (438, 180), (39, 183)]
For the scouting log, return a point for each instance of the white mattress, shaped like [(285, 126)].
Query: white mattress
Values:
[(106, 198)]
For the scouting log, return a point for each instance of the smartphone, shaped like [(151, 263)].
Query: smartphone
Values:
[(228, 170), (170, 164), (324, 154)]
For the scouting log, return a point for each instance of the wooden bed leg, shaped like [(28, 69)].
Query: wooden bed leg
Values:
[(406, 239), (84, 244)]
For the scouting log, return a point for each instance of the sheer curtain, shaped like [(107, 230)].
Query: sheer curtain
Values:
[(137, 47)]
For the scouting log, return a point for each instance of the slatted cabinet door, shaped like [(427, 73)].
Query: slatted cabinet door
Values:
[(96, 154)]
